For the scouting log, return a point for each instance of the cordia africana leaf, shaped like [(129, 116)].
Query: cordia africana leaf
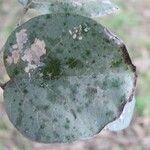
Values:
[(89, 8), (69, 78), (3, 74)]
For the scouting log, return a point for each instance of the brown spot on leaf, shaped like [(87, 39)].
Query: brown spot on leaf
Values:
[(14, 58), (33, 54), (21, 38)]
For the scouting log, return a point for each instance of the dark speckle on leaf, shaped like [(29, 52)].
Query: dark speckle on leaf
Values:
[(88, 52), (67, 120), (10, 44), (73, 113), (91, 90), (93, 61), (116, 63), (20, 103), (56, 135), (68, 138), (115, 83), (55, 120), (48, 16), (107, 40), (31, 117), (42, 126), (25, 91), (109, 113), (65, 23), (52, 68), (94, 76), (19, 118), (15, 71), (73, 62), (66, 126)]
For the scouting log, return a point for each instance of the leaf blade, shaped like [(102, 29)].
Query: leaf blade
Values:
[(90, 8), (81, 84)]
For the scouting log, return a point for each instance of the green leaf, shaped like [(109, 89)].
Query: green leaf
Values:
[(25, 2), (90, 8), (70, 77)]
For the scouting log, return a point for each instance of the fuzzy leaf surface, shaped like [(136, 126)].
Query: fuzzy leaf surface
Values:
[(70, 77), (88, 8)]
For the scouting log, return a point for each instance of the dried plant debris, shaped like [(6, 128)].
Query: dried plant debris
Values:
[(63, 87), (89, 8)]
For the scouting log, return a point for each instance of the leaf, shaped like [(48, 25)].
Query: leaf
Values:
[(3, 75), (124, 119), (76, 88), (25, 2), (90, 8)]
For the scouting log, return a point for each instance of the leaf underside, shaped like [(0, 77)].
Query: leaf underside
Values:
[(77, 83), (124, 119)]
